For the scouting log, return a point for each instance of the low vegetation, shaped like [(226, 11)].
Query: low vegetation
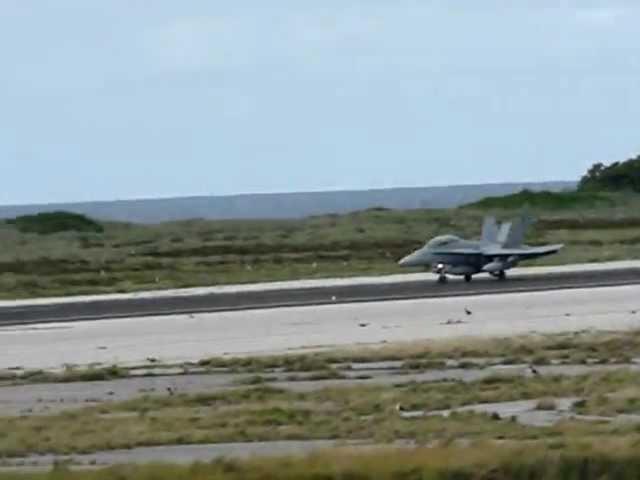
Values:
[(570, 348), (618, 176), (68, 375), (546, 200), (264, 413), (47, 223), (600, 348), (546, 404), (257, 411), (584, 461), (125, 258)]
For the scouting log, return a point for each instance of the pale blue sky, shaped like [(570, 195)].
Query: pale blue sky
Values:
[(129, 99)]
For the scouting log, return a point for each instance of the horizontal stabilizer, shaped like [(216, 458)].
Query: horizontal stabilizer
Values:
[(523, 252)]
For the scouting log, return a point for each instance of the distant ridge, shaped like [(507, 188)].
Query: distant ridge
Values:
[(283, 205)]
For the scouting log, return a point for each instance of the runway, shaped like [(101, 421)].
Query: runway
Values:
[(180, 338), (310, 293)]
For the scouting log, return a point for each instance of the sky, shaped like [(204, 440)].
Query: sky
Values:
[(136, 99)]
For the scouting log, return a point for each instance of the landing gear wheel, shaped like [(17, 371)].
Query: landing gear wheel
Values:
[(442, 279), (467, 278), (502, 275)]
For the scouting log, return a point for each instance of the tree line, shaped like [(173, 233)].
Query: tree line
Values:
[(618, 176)]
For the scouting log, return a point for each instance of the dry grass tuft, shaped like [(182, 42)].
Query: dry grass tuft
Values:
[(546, 404)]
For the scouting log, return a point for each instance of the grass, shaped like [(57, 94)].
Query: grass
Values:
[(256, 411), (576, 347), (546, 404), (264, 413), (126, 258), (623, 400), (68, 375), (478, 462)]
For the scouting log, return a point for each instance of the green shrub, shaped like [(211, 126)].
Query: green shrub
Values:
[(619, 176), (545, 200), (54, 222)]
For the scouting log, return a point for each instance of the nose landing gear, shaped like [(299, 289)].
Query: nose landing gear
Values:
[(440, 270)]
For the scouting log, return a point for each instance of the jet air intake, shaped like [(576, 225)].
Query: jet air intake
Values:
[(500, 265)]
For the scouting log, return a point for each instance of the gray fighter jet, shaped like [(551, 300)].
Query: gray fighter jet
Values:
[(499, 249)]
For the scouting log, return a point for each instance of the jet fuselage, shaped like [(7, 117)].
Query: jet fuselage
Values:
[(499, 249), (431, 255)]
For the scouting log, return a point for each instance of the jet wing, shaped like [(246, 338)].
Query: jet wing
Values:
[(456, 251), (523, 252)]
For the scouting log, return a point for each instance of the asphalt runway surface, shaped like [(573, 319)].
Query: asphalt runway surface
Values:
[(230, 299), (183, 338)]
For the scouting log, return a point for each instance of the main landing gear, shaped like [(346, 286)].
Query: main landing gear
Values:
[(442, 278), (501, 275)]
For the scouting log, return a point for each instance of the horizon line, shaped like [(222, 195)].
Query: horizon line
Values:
[(294, 192)]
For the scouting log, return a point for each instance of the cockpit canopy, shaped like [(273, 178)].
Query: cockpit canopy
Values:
[(442, 241)]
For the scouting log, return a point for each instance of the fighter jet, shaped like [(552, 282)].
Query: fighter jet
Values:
[(499, 249)]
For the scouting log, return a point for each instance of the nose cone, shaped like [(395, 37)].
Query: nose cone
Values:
[(404, 262), (414, 259)]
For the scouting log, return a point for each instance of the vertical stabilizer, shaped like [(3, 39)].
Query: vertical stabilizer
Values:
[(489, 230), (515, 236)]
